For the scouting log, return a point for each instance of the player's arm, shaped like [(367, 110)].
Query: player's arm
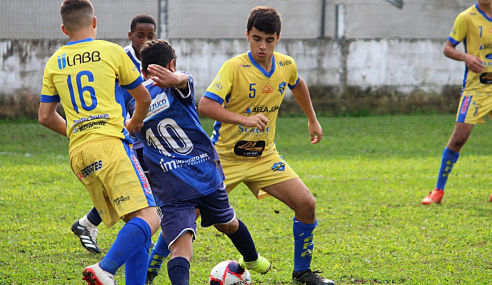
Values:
[(142, 104), (301, 93), (473, 63), (164, 77), (48, 117), (213, 110)]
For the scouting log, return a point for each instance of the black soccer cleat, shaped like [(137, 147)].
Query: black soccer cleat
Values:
[(310, 277), (87, 235)]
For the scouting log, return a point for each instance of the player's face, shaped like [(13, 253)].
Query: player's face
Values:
[(484, 2), (143, 33), (262, 45)]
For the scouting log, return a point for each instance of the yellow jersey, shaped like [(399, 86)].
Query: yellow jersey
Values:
[(85, 76), (242, 86), (474, 28)]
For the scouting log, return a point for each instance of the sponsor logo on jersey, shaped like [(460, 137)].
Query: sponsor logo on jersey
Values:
[(178, 163), (90, 118), (261, 109), (249, 148), (281, 88), (252, 131), (285, 62), (89, 169), (486, 46), (90, 126), (279, 166), (216, 84), (267, 89), (158, 104), (141, 175), (466, 103), (244, 65), (121, 199), (85, 57)]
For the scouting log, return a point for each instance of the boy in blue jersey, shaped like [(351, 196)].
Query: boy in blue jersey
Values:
[(142, 29), (184, 168), (473, 27), (85, 76)]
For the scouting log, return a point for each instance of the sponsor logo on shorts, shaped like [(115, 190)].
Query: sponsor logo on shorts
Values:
[(141, 174), (279, 166), (178, 163), (89, 169), (121, 199), (466, 103)]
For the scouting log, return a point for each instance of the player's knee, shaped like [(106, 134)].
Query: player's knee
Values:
[(229, 228)]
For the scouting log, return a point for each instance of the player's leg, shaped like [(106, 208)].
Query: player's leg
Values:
[(215, 210), (119, 189), (178, 268), (471, 111), (86, 229), (297, 196)]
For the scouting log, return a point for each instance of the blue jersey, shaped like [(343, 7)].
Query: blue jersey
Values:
[(130, 51), (183, 163)]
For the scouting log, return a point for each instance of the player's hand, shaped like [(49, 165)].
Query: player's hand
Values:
[(474, 63), (315, 131), (163, 77), (258, 121), (133, 127)]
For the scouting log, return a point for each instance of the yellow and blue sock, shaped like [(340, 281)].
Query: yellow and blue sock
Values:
[(303, 244), (158, 254), (449, 158)]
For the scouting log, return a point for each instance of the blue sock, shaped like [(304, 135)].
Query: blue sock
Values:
[(132, 236), (303, 245), (158, 254), (449, 158), (136, 267), (178, 270), (93, 217), (243, 242)]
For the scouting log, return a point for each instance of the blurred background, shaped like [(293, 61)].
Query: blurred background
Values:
[(359, 57)]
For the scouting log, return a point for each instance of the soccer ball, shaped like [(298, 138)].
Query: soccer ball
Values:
[(229, 272)]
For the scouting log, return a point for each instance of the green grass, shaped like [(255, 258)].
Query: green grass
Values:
[(368, 176)]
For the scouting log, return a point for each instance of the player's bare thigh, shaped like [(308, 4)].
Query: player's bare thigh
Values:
[(295, 194), (149, 215)]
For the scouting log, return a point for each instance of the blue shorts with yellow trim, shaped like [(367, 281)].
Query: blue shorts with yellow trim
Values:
[(112, 174), (256, 173), (473, 108)]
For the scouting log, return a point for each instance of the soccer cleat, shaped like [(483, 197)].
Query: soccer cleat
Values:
[(87, 235), (434, 197), (310, 277), (261, 265), (490, 199), (150, 277), (94, 275)]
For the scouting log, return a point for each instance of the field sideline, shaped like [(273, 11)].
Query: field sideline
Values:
[(368, 175)]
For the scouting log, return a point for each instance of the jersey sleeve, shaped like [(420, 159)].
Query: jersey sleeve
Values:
[(294, 76), (222, 83), (458, 33), (128, 74), (49, 94)]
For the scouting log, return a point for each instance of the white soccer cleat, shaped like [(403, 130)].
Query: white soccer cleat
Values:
[(94, 275)]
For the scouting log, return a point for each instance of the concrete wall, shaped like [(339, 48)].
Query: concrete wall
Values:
[(373, 58)]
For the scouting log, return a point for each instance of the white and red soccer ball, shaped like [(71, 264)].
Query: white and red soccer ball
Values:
[(229, 272)]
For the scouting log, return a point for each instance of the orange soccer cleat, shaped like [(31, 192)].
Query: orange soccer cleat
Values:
[(434, 197)]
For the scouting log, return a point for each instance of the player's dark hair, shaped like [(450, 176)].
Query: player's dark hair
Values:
[(141, 19), (76, 14), (264, 19), (158, 52)]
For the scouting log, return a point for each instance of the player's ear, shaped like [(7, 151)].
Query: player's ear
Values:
[(94, 22), (130, 35), (278, 37), (247, 34), (172, 65), (64, 30)]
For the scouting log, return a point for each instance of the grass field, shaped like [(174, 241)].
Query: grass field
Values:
[(368, 175)]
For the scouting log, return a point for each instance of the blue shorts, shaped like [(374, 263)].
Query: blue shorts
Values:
[(179, 217)]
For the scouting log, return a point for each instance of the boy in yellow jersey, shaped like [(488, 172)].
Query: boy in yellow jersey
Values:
[(244, 99), (85, 76), (474, 27)]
